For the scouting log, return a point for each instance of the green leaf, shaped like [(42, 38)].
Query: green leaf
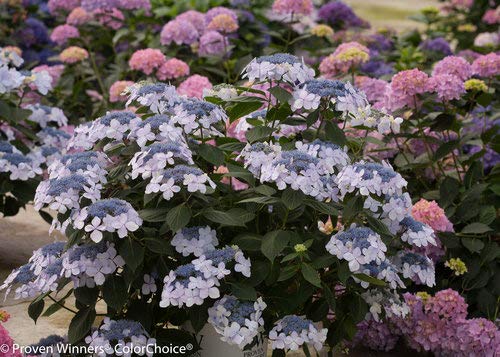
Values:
[(243, 291), (273, 243), (132, 252), (248, 241), (158, 245), (52, 309), (35, 309), (154, 214), (312, 118), (476, 228), (474, 174), (311, 275), (80, 325), (335, 134), (292, 198), (234, 217), (322, 207), (265, 190), (488, 214), (178, 217), (266, 200), (377, 225), (370, 279), (86, 296), (46, 217), (258, 133), (473, 245), (114, 292), (343, 272), (241, 173), (445, 149), (241, 109), (448, 191), (281, 94), (329, 296), (211, 154)]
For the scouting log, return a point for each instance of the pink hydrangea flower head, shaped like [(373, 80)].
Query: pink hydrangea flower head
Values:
[(430, 213), (487, 65), (135, 5), (469, 55), (478, 337), (346, 57), (58, 6), (78, 16), (93, 5), (296, 7), (447, 304), (62, 33), (462, 4), (218, 10), (54, 71), (178, 31), (454, 65), (212, 43), (116, 90), (112, 18), (236, 184), (375, 335), (172, 69), (223, 23), (196, 18), (404, 88), (146, 60), (73, 54), (447, 86), (194, 85), (492, 16)]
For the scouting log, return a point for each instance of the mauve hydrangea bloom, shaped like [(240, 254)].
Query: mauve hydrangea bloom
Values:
[(430, 213), (218, 10), (375, 335), (293, 7), (492, 16), (223, 23), (487, 65), (213, 43), (62, 33), (178, 31), (92, 5), (345, 58), (73, 54), (438, 45), (112, 18), (339, 15), (196, 18), (146, 60), (116, 90), (469, 55), (454, 65), (135, 5), (477, 337), (373, 88), (193, 86), (78, 16), (172, 69), (404, 88), (56, 6), (447, 86)]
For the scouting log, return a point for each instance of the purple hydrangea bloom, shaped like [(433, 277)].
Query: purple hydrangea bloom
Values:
[(438, 45), (340, 16)]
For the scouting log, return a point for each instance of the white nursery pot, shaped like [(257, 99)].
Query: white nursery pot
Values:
[(212, 346)]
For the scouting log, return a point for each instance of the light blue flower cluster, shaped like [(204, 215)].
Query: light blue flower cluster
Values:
[(238, 322), (108, 215), (292, 331), (159, 97), (416, 233), (53, 137), (153, 159), (199, 117), (90, 164), (195, 240), (278, 67), (127, 335), (417, 267), (158, 127), (19, 166), (192, 283), (43, 115)]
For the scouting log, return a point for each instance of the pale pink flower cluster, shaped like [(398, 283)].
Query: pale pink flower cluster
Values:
[(487, 65), (295, 7), (405, 87), (116, 90), (492, 16), (78, 17), (447, 86), (57, 6), (430, 213), (62, 33), (112, 18), (193, 86), (146, 60), (346, 57), (172, 69), (223, 23), (454, 65), (73, 54)]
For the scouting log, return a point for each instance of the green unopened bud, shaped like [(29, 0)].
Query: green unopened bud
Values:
[(456, 265), (299, 248)]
